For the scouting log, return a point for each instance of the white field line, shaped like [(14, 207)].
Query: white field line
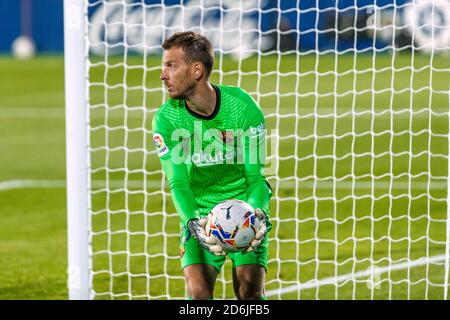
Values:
[(59, 113), (156, 184), (370, 274), (347, 185), (24, 184), (52, 184)]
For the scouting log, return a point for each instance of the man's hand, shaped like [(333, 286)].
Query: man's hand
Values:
[(261, 232), (197, 229)]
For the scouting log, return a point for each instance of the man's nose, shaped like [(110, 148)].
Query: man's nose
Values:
[(163, 75)]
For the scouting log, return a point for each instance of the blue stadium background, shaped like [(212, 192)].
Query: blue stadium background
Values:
[(46, 23)]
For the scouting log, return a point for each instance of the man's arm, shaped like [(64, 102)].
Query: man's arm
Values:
[(176, 172), (258, 189), (182, 195)]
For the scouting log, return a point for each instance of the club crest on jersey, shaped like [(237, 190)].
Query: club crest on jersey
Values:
[(160, 145)]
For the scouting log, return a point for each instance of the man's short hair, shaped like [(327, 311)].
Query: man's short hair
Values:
[(196, 48)]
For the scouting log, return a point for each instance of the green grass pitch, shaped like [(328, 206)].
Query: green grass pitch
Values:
[(381, 131)]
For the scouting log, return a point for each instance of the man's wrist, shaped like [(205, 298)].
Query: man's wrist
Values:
[(188, 221)]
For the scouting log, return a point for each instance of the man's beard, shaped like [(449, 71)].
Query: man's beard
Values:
[(187, 92)]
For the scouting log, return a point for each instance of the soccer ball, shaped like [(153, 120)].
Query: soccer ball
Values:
[(23, 47), (234, 223)]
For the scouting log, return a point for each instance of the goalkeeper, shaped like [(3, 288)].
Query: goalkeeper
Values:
[(207, 159)]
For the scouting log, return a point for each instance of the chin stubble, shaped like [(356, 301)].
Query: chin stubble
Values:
[(187, 92)]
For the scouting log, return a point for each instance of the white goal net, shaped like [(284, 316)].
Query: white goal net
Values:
[(356, 96)]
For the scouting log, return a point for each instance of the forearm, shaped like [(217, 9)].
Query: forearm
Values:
[(258, 192), (182, 195), (184, 202)]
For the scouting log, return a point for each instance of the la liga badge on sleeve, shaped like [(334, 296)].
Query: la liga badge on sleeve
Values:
[(161, 147)]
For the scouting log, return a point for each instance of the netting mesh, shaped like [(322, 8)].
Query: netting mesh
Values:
[(356, 99)]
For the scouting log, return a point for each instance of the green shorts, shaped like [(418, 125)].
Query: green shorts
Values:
[(192, 253)]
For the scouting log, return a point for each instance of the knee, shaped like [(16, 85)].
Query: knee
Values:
[(200, 281), (248, 291), (197, 292)]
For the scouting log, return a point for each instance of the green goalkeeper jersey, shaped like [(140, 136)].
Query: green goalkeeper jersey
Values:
[(209, 159)]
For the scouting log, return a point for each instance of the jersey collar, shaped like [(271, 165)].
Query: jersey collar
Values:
[(215, 111)]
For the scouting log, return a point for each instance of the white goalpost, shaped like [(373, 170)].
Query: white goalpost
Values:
[(77, 162), (356, 96)]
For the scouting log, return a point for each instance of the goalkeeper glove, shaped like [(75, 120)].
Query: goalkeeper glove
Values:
[(197, 229), (261, 232)]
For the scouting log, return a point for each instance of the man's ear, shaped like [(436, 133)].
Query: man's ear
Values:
[(198, 70)]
